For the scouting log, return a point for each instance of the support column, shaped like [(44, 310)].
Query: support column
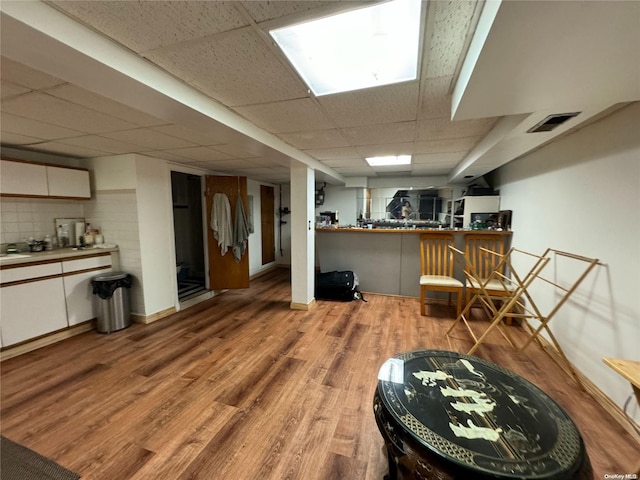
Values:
[(302, 237)]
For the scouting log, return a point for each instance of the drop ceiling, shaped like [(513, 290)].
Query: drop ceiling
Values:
[(202, 84)]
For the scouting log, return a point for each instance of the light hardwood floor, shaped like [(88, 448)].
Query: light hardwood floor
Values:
[(242, 387)]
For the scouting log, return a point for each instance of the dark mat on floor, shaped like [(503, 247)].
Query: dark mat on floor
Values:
[(20, 463)]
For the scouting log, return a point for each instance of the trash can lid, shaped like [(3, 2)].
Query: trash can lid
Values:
[(109, 277)]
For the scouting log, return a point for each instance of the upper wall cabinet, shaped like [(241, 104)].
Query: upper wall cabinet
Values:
[(27, 179), (68, 182), (19, 178)]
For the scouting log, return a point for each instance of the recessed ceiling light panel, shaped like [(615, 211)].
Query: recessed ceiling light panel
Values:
[(368, 47), (389, 161)]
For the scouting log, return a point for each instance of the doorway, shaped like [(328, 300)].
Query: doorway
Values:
[(267, 209), (186, 192)]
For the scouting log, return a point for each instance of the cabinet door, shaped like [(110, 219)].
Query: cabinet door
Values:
[(79, 296), (29, 310), (21, 178), (68, 182)]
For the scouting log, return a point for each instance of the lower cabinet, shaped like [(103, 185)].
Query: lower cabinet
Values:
[(42, 298), (79, 291), (31, 309)]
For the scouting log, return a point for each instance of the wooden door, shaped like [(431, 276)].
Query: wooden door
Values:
[(267, 212), (224, 271)]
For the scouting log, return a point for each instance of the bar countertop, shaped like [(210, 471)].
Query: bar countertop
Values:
[(409, 230)]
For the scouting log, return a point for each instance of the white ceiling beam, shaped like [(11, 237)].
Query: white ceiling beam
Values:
[(43, 38)]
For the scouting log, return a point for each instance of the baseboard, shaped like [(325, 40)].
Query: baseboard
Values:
[(264, 272), (146, 319), (592, 389), (303, 306), (45, 340)]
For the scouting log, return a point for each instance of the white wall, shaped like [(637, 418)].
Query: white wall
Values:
[(343, 200), (113, 207), (255, 239), (132, 204), (581, 194), (157, 244), (34, 217)]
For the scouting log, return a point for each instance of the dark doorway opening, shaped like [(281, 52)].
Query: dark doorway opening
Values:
[(189, 239)]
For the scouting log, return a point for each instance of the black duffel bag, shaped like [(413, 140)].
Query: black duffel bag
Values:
[(337, 285)]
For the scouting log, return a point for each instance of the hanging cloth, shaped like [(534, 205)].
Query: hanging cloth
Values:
[(240, 231), (221, 222)]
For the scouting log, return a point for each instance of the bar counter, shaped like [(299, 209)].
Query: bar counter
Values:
[(386, 260)]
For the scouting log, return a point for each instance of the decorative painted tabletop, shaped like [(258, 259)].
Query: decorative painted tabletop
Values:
[(478, 416)]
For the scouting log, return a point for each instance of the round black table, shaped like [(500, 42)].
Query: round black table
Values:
[(445, 415)]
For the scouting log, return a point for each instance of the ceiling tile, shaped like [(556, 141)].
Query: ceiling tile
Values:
[(317, 139), (8, 90), (236, 68), (60, 112), (20, 74), (261, 11), (188, 134), (346, 162), (102, 143), (28, 126), (386, 149), (236, 164), (234, 150), (443, 146), (265, 171), (297, 115), (451, 159), (435, 98), (382, 133), (452, 21), (17, 139), (102, 104), (355, 171), (69, 150), (200, 154), (387, 104), (425, 169), (144, 26), (332, 153), (150, 139), (166, 155), (443, 128)]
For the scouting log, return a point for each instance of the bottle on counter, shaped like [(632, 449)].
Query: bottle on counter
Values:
[(48, 244)]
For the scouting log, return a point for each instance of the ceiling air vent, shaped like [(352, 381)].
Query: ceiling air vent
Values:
[(551, 122)]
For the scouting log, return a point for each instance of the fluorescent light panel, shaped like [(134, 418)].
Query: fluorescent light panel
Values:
[(368, 47), (388, 161)]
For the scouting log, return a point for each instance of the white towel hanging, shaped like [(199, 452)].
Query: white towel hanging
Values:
[(221, 222)]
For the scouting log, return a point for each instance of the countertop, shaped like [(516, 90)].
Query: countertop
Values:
[(408, 230), (25, 258)]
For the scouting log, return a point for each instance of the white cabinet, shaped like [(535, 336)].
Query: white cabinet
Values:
[(48, 296), (466, 207), (32, 308), (77, 286), (21, 178), (68, 182), (28, 179)]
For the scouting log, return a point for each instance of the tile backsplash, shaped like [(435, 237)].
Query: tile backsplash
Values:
[(31, 217)]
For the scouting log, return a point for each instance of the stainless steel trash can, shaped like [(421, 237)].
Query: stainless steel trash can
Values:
[(112, 297)]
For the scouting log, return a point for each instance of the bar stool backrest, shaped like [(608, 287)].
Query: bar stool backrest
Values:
[(483, 263)]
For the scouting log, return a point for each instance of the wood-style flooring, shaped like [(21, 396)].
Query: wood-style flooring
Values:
[(241, 387)]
